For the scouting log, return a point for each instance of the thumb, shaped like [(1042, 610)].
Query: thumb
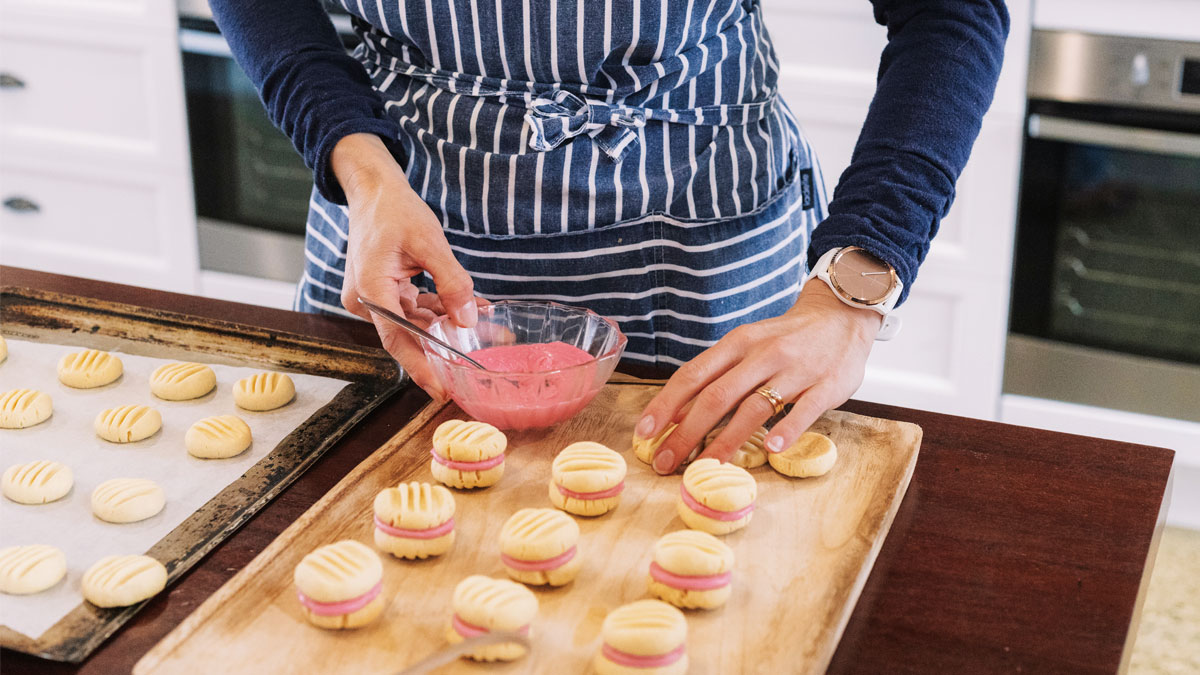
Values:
[(454, 285)]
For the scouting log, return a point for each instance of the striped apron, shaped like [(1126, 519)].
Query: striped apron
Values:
[(629, 156)]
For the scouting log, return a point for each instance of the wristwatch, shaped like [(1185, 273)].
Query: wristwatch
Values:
[(860, 279)]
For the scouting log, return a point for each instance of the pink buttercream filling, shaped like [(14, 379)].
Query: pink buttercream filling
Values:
[(637, 661), (468, 630), (481, 465), (539, 565), (429, 533), (708, 512), (338, 608), (702, 582), (601, 494)]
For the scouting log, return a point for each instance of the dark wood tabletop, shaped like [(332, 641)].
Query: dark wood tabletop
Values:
[(1015, 549)]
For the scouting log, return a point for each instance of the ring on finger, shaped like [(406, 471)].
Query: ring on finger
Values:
[(773, 397)]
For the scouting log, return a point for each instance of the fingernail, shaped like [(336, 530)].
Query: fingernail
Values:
[(775, 444), (664, 462), (645, 427), (468, 314)]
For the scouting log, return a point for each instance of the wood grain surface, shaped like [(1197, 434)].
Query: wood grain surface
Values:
[(800, 563)]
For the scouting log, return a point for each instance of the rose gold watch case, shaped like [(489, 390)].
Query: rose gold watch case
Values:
[(893, 279)]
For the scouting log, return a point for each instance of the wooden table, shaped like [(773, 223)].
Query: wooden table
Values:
[(1015, 549)]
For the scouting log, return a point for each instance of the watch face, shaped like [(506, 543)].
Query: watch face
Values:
[(861, 276)]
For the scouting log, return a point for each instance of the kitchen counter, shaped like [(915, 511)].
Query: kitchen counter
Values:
[(1015, 549)]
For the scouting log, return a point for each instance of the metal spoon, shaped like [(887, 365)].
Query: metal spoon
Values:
[(454, 652), (416, 330)]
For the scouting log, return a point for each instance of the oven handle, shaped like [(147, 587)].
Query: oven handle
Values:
[(1052, 128)]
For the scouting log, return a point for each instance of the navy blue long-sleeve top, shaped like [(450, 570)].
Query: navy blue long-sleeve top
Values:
[(936, 79)]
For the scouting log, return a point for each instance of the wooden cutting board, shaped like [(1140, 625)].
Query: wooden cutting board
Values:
[(800, 566)]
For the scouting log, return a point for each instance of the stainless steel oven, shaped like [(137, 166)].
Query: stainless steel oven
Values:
[(1106, 287)]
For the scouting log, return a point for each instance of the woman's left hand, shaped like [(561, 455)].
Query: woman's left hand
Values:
[(814, 355)]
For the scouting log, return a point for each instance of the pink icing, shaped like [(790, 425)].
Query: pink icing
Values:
[(534, 384), (708, 512), (702, 582), (539, 565), (340, 608), (481, 465), (602, 494), (531, 358), (636, 661), (429, 533), (468, 630)]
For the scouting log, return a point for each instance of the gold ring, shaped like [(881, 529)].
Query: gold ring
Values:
[(773, 397)]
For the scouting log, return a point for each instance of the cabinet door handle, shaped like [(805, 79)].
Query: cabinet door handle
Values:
[(21, 205), (10, 81)]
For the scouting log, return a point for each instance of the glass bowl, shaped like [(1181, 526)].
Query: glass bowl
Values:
[(526, 400)]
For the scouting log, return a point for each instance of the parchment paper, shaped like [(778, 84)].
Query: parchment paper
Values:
[(68, 437)]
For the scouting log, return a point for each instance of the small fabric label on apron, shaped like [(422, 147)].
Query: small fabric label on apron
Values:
[(806, 189)]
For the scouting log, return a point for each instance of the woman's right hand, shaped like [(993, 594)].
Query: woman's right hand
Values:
[(394, 236)]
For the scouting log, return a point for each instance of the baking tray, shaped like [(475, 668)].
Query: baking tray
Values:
[(86, 322)]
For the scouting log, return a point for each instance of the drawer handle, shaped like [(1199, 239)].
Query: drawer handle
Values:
[(10, 81), (21, 205)]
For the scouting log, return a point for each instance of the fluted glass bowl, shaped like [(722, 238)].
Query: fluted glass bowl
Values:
[(526, 400)]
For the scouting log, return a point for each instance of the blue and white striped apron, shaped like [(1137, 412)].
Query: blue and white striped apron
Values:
[(630, 156)]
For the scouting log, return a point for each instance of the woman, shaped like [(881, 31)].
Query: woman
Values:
[(631, 156)]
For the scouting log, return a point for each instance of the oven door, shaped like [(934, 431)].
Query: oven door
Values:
[(1106, 290)]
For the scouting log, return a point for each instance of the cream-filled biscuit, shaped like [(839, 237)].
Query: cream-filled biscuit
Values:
[(339, 585), (716, 498), (128, 423), (647, 637), (30, 569), (127, 500), (123, 580), (587, 479), (691, 569), (644, 448), (468, 454), (811, 455), (88, 369), (483, 604), (218, 437), (540, 547), (264, 391), (182, 381), (414, 520), (37, 482), (749, 455), (21, 408)]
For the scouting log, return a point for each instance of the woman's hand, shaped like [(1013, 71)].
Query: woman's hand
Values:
[(394, 236), (814, 355)]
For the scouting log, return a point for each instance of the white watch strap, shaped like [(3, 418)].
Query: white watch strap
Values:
[(891, 323)]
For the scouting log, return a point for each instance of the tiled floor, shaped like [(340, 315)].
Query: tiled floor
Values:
[(1168, 639)]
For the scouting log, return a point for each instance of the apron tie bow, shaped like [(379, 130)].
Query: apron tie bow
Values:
[(565, 115)]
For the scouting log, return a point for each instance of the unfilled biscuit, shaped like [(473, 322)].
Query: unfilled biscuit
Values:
[(650, 631), (21, 408), (37, 482), (587, 479), (127, 500), (644, 448), (30, 569), (484, 604), (128, 423), (263, 391), (749, 455), (88, 369), (340, 585), (811, 455), (218, 437), (182, 381), (539, 547), (414, 520), (123, 580), (716, 498)]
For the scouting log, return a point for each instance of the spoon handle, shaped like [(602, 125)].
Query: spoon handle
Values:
[(417, 331)]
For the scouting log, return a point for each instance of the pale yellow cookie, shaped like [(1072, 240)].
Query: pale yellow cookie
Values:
[(647, 637), (716, 498), (691, 569), (340, 585), (587, 479), (644, 448), (539, 547), (264, 391), (37, 482), (414, 520), (123, 580), (749, 455), (21, 408), (811, 455), (182, 381), (88, 369), (30, 569), (483, 604), (127, 500), (218, 437), (128, 423), (3, 349), (468, 454)]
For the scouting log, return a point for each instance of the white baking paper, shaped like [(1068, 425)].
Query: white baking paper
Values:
[(68, 437)]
